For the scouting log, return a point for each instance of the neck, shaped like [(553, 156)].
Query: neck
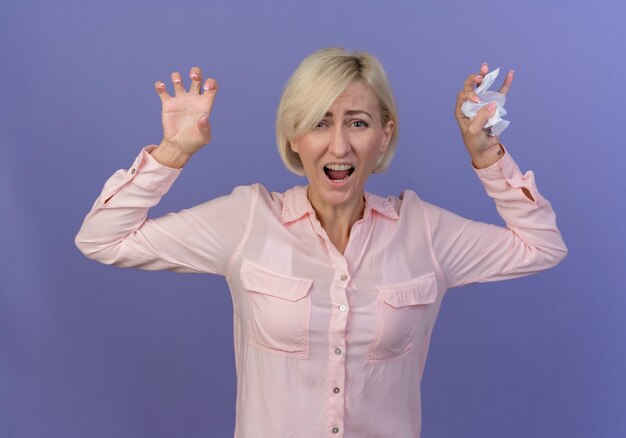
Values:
[(337, 221)]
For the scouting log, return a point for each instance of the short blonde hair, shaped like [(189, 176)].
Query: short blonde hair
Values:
[(317, 82)]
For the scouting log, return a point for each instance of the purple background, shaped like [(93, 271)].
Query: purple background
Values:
[(88, 350)]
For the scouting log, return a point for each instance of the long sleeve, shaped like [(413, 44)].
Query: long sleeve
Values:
[(200, 239), (470, 251)]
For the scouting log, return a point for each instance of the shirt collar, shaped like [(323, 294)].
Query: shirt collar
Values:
[(381, 205), (296, 204)]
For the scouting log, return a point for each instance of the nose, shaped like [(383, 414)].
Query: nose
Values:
[(339, 142)]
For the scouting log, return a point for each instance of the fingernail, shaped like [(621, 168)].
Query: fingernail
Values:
[(204, 120), (484, 63), (492, 106), (177, 81), (194, 76), (479, 78), (208, 87)]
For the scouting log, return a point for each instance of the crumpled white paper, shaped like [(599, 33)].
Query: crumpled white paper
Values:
[(495, 124)]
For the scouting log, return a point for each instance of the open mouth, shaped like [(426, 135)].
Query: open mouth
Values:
[(338, 172)]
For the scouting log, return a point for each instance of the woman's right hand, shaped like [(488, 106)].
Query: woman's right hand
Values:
[(185, 117)]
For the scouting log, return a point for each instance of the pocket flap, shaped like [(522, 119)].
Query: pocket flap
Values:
[(420, 290), (258, 279)]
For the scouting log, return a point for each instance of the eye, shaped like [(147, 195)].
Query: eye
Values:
[(321, 124), (359, 124)]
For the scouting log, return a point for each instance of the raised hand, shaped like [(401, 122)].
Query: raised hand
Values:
[(185, 118), (482, 147)]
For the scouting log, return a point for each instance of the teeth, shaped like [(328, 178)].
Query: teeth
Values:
[(338, 166)]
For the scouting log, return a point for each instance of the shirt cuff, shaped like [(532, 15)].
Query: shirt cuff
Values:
[(504, 175), (150, 175)]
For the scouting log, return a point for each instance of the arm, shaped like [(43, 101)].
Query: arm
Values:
[(199, 239), (470, 251)]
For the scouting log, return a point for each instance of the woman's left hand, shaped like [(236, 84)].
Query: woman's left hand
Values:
[(482, 147)]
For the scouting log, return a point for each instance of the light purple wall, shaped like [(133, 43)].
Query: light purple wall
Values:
[(92, 351)]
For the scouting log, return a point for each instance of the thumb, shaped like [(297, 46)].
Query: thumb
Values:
[(204, 127), (483, 115), (203, 122)]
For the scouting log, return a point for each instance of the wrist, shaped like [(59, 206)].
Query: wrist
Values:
[(170, 156), (488, 157)]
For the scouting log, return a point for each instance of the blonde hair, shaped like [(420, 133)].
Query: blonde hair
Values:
[(317, 82)]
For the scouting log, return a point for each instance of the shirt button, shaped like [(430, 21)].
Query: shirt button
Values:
[(336, 390), (344, 277), (335, 430), (337, 351), (343, 308), (132, 171)]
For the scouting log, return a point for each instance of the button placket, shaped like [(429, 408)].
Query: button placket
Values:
[(339, 313), (337, 341)]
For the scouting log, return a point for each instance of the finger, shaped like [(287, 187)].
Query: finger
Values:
[(507, 82), (196, 79), (178, 84), (161, 91), (471, 81), (210, 90), (478, 123), (468, 95), (462, 97), (484, 68)]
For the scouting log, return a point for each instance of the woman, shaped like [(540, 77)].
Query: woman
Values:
[(335, 290)]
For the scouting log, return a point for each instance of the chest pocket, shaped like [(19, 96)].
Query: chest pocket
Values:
[(403, 311), (279, 309)]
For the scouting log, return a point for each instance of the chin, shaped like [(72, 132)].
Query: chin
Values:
[(339, 193)]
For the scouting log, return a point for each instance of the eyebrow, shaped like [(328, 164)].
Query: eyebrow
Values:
[(350, 113)]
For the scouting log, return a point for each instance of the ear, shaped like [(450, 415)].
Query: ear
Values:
[(388, 132), (293, 146)]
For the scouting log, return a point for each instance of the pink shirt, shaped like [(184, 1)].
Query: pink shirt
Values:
[(326, 345)]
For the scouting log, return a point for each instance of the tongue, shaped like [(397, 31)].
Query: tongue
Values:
[(338, 174)]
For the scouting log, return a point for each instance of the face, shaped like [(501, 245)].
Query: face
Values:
[(340, 153)]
